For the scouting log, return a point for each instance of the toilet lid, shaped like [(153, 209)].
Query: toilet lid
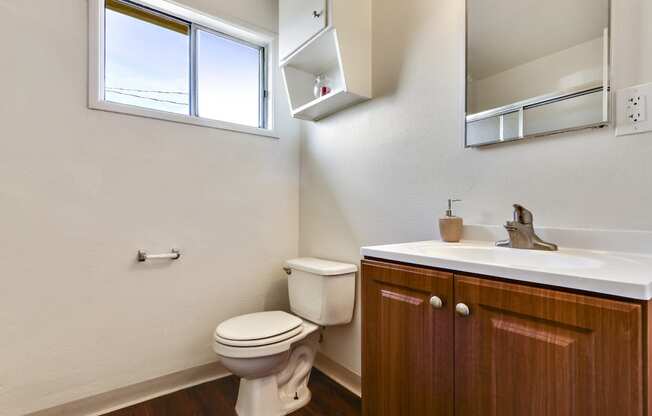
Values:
[(258, 326)]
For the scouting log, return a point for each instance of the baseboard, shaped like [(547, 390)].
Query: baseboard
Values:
[(340, 374), (137, 393), (126, 396)]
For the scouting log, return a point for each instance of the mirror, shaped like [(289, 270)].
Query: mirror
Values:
[(535, 68)]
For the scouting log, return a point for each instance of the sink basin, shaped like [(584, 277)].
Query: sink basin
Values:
[(612, 273), (509, 257)]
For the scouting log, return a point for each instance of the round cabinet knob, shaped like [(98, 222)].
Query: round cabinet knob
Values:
[(436, 302), (462, 309)]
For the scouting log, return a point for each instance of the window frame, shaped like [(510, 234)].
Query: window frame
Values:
[(239, 32)]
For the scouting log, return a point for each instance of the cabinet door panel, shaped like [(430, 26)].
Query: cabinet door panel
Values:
[(540, 352), (407, 343), (299, 20)]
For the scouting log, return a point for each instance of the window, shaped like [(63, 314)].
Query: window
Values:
[(147, 60), (228, 92), (157, 59)]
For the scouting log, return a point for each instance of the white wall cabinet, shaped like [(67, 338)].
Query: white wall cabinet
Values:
[(330, 38), (300, 21)]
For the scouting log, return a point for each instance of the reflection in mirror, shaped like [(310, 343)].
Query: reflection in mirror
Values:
[(535, 68), (564, 114)]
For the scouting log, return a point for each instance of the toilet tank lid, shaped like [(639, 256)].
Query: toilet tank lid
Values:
[(321, 267)]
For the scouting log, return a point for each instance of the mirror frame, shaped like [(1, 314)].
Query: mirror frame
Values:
[(544, 99)]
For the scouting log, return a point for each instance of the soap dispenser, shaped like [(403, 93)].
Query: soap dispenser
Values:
[(450, 226)]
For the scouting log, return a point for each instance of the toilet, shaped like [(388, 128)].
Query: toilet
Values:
[(273, 352)]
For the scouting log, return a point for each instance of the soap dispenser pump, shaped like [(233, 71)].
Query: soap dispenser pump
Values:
[(450, 226)]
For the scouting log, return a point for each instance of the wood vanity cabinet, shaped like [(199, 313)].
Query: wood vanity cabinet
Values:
[(520, 351), (407, 343)]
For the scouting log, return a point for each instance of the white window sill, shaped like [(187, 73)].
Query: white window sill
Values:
[(180, 118)]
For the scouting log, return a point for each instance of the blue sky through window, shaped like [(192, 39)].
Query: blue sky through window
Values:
[(148, 65), (228, 79)]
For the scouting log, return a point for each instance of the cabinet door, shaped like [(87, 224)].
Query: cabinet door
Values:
[(299, 20), (531, 351), (407, 342)]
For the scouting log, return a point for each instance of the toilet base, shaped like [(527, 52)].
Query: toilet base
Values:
[(282, 393), (260, 397)]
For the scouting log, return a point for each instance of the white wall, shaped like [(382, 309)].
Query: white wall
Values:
[(81, 191), (381, 172), (571, 68)]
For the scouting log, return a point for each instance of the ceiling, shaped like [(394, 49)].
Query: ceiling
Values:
[(507, 33)]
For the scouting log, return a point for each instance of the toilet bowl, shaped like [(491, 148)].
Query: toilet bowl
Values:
[(273, 352), (274, 370)]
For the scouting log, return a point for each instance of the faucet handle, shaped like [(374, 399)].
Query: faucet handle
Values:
[(522, 215)]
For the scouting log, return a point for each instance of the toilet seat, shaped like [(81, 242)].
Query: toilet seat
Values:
[(258, 329), (254, 327), (224, 349), (259, 342)]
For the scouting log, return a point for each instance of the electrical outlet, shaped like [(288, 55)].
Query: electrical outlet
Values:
[(632, 110), (636, 108)]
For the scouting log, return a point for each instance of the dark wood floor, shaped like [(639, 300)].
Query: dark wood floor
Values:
[(217, 398)]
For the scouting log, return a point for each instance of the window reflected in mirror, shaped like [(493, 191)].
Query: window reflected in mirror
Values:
[(535, 68)]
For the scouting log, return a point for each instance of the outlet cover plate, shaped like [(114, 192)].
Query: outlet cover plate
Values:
[(633, 110)]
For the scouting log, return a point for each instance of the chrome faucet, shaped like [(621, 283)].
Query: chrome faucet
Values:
[(521, 233)]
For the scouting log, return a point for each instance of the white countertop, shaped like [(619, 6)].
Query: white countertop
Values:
[(627, 275)]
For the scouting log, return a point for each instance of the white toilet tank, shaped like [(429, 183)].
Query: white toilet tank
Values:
[(322, 291)]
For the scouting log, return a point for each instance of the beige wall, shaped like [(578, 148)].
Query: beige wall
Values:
[(381, 172), (81, 191)]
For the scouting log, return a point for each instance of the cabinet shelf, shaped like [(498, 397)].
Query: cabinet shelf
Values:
[(340, 52), (317, 55), (322, 107)]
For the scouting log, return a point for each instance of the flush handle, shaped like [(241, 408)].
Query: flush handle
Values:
[(462, 310), (317, 14), (436, 302)]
